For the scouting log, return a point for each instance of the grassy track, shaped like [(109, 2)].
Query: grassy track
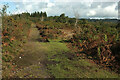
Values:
[(54, 59)]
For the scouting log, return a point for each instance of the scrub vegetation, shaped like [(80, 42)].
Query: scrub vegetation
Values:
[(39, 46)]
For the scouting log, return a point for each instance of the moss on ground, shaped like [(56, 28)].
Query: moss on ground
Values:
[(62, 63), (55, 59)]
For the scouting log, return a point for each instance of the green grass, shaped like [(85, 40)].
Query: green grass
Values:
[(60, 63), (60, 66), (59, 60)]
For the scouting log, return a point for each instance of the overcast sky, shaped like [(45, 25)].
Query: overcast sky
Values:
[(86, 9)]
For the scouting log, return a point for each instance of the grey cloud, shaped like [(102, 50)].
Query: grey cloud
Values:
[(69, 7)]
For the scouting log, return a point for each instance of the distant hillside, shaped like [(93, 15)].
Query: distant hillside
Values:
[(105, 20)]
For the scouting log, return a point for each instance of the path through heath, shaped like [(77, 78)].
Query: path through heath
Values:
[(29, 63)]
